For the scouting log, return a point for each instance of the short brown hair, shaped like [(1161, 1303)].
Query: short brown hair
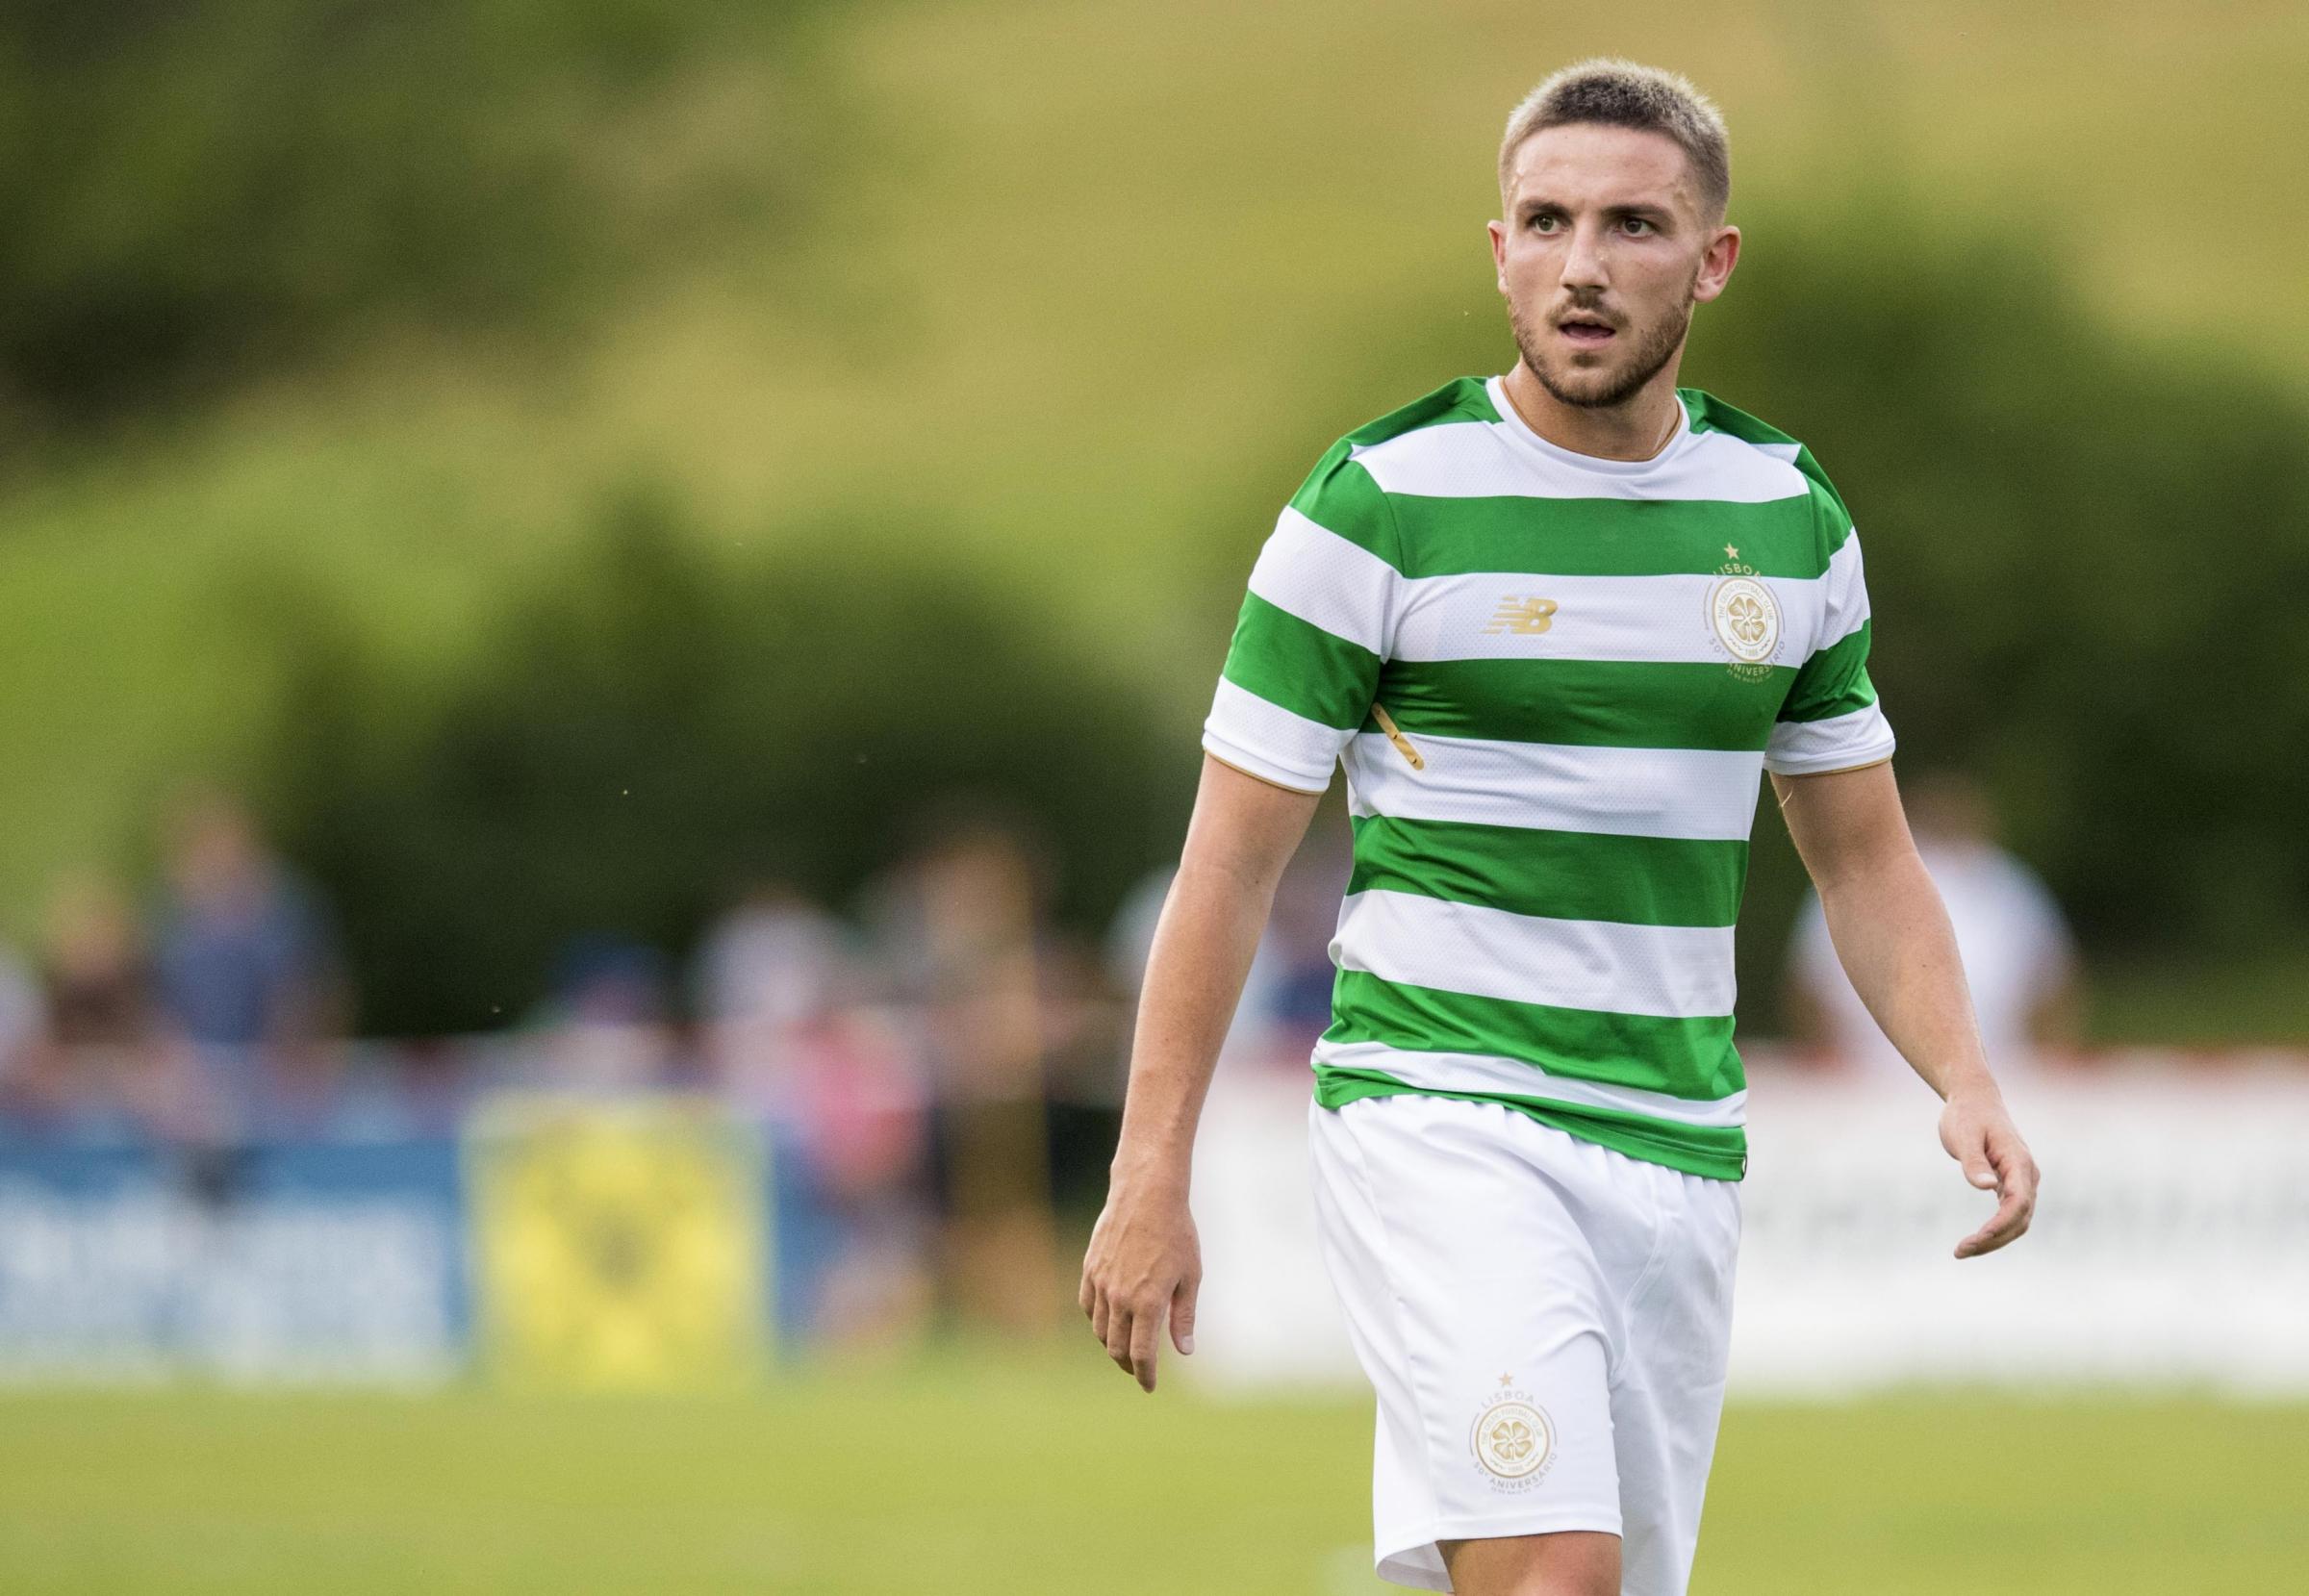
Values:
[(1614, 92)]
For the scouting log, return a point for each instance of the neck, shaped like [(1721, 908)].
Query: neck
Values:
[(1637, 428)]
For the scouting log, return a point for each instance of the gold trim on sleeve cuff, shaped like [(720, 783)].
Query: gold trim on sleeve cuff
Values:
[(1839, 770), (1304, 791)]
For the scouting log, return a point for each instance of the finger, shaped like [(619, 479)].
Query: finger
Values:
[(1182, 1315), (2007, 1222), (1118, 1336), (1146, 1344), (2016, 1183), (2013, 1165), (1099, 1314), (1087, 1297)]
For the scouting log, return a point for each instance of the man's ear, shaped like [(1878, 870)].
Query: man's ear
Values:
[(1717, 262), (1497, 230)]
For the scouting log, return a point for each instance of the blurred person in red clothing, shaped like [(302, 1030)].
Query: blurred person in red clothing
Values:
[(785, 995)]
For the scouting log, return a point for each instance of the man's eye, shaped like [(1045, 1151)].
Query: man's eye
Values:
[(1636, 225), (1544, 223)]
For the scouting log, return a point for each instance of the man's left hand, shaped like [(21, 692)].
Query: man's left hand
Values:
[(1979, 1135)]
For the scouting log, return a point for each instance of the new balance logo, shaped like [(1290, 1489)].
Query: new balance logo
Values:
[(1526, 617)]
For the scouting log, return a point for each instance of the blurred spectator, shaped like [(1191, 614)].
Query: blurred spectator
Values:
[(105, 1060), (607, 1026), (2019, 959), (794, 1037), (1286, 1002), (857, 1127), (23, 1027), (1304, 918), (1130, 937), (246, 969), (769, 968), (959, 917), (1085, 1051), (1080, 1020)]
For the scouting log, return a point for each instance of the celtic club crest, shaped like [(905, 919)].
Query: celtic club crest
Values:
[(1745, 619), (1513, 1439)]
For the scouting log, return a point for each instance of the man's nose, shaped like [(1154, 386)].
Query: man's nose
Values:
[(1584, 258)]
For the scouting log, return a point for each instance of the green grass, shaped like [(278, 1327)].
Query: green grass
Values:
[(962, 1476)]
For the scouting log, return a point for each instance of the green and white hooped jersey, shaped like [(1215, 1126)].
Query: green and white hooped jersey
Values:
[(1554, 681)]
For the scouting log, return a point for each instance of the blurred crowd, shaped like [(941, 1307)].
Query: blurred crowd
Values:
[(937, 1064), (213, 1012)]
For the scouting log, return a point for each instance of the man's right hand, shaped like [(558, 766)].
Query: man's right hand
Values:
[(1143, 1262)]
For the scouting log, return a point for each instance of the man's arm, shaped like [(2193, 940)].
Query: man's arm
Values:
[(1144, 1258), (1892, 935)]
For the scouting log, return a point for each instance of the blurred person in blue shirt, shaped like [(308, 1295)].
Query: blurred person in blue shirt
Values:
[(608, 1027), (246, 968)]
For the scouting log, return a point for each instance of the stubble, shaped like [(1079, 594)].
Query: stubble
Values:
[(1658, 346)]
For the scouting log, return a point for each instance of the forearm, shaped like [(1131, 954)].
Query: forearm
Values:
[(1892, 933), (1203, 942)]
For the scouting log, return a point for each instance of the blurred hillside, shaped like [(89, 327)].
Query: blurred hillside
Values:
[(337, 334)]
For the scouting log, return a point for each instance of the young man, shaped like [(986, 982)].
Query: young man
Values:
[(1553, 623)]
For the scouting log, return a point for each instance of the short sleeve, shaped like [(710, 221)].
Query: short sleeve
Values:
[(1317, 621), (1831, 720)]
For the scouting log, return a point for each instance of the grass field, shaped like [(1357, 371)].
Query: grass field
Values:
[(1057, 1475)]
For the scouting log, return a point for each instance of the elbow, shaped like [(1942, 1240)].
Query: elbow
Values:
[(1887, 868)]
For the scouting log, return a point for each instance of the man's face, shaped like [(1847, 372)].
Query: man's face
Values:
[(1606, 248)]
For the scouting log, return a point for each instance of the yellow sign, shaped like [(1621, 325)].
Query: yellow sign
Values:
[(617, 1245)]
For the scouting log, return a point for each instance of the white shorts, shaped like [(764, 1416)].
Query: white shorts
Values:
[(1545, 1322)]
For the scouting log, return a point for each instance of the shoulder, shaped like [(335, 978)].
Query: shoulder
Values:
[(1460, 399), (1711, 415), (1342, 495)]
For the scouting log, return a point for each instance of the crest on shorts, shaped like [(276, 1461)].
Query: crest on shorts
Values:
[(1744, 618), (1513, 1440)]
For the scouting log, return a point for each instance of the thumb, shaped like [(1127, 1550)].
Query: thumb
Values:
[(1182, 1316), (1967, 1143)]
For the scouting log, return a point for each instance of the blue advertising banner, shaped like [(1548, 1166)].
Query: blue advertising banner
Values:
[(284, 1262), (570, 1240)]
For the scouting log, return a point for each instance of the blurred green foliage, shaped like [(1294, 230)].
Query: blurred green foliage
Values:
[(338, 313), (202, 190), (2072, 541), (653, 728)]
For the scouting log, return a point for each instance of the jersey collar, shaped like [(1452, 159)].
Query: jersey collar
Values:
[(1511, 422)]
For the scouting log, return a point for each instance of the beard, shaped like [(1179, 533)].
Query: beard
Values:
[(1601, 388)]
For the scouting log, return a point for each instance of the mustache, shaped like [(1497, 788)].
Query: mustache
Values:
[(1585, 311)]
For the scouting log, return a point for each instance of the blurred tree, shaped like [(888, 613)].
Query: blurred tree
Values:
[(653, 728), (2082, 548), (200, 188)]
